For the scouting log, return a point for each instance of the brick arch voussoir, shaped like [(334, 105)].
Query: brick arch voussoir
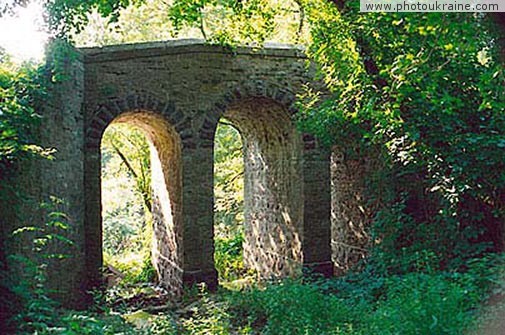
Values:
[(108, 110), (253, 89)]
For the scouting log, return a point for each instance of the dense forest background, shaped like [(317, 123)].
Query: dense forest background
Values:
[(417, 103)]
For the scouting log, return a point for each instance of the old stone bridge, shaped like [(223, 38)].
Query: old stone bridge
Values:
[(177, 92)]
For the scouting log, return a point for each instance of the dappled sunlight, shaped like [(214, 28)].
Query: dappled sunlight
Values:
[(165, 187), (158, 182), (273, 205)]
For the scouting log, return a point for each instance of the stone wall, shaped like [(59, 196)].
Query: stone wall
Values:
[(317, 204), (350, 236), (351, 207), (176, 92), (57, 185), (191, 86), (273, 184)]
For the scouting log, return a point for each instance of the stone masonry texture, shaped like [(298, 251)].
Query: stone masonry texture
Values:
[(176, 92)]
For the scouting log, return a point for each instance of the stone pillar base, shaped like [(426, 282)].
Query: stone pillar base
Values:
[(323, 268), (209, 277)]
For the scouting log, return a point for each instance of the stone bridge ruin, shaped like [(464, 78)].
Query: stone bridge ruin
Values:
[(177, 92)]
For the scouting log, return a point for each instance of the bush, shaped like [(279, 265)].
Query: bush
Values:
[(420, 303), (228, 257), (416, 303), (20, 87)]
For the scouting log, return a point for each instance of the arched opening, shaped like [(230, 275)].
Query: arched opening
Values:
[(273, 186), (126, 204), (159, 191), (228, 203)]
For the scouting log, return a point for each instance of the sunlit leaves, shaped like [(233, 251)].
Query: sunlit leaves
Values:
[(19, 87), (228, 182), (67, 16), (227, 22), (126, 189)]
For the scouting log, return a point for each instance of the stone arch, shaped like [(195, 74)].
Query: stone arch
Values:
[(107, 111), (163, 127), (190, 86), (273, 200), (281, 236), (253, 89)]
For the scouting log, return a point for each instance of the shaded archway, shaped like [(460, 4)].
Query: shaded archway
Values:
[(166, 180), (273, 185), (126, 204)]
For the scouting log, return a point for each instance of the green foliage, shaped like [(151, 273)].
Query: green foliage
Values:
[(416, 303), (36, 312), (130, 147), (291, 307), (229, 203), (37, 308), (147, 22), (428, 95), (225, 22), (65, 17), (163, 325), (228, 257), (211, 317), (74, 323), (134, 268), (20, 87), (147, 273), (127, 203), (429, 304), (228, 182), (24, 298)]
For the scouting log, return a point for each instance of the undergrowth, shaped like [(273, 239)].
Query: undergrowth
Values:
[(413, 303)]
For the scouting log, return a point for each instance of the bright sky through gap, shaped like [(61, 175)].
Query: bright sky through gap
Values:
[(22, 35)]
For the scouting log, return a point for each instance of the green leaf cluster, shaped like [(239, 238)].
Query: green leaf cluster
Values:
[(426, 94), (20, 87)]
